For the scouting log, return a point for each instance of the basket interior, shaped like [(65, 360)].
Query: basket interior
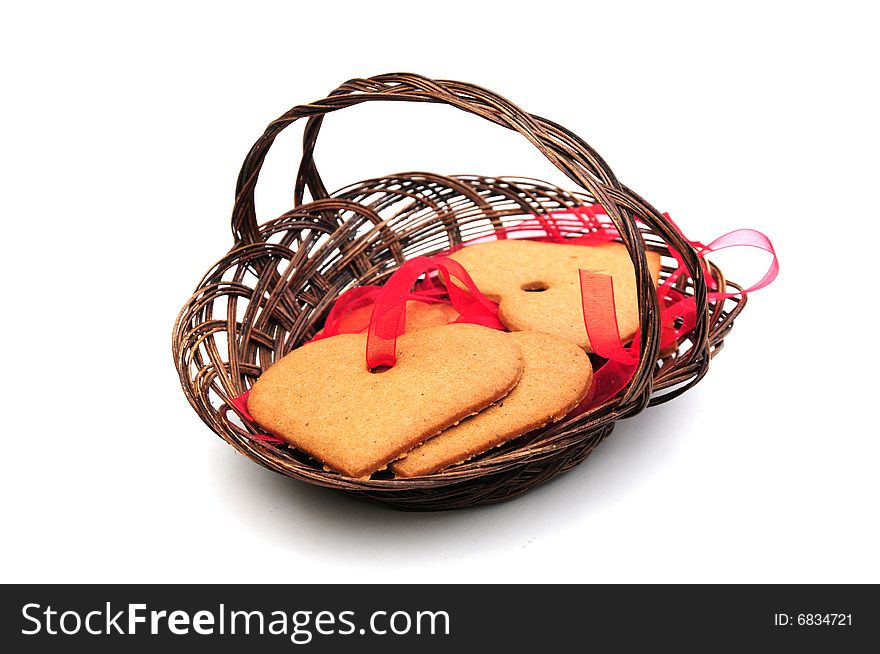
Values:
[(263, 299)]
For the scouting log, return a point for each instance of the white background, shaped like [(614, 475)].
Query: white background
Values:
[(122, 134)]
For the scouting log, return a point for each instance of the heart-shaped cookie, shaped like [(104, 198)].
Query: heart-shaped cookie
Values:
[(556, 377), (322, 398), (537, 287)]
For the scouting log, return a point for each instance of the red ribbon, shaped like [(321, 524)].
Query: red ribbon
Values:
[(240, 403), (389, 310), (600, 317), (601, 321), (345, 317)]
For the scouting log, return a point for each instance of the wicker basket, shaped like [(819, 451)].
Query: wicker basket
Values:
[(273, 289)]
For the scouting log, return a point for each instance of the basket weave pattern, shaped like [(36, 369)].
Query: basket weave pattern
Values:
[(274, 288)]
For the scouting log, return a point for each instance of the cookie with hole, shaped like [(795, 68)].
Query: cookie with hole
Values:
[(537, 288)]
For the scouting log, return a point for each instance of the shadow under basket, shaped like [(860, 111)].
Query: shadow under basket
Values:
[(273, 290)]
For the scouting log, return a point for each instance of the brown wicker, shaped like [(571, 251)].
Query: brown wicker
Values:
[(273, 289)]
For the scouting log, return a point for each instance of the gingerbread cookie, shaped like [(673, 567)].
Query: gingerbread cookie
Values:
[(537, 286), (556, 377), (322, 399)]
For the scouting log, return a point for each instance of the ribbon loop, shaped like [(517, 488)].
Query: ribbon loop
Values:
[(600, 317), (746, 238), (389, 311)]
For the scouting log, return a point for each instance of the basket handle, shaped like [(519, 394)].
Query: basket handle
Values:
[(565, 150)]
